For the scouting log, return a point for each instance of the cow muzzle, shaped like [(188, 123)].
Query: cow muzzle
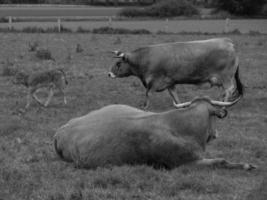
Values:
[(111, 75)]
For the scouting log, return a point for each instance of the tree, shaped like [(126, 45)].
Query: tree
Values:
[(241, 7)]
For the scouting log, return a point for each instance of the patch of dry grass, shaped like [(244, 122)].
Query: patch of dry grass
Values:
[(30, 169)]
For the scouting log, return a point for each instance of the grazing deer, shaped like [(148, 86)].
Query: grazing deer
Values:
[(50, 80)]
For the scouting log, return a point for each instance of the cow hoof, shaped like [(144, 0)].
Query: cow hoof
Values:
[(249, 167)]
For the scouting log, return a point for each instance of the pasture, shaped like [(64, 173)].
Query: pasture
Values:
[(30, 169)]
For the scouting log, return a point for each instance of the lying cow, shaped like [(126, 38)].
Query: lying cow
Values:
[(162, 66), (120, 134)]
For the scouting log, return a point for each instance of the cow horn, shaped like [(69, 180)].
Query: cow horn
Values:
[(118, 54), (182, 105), (222, 103)]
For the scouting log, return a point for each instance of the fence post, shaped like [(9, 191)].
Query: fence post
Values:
[(9, 22), (166, 25), (110, 21), (59, 25), (226, 25)]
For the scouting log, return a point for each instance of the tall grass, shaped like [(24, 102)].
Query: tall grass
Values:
[(111, 30)]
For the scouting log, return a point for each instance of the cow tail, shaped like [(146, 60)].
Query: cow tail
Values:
[(59, 152), (239, 85)]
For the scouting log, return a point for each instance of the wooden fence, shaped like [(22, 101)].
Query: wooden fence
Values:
[(110, 21)]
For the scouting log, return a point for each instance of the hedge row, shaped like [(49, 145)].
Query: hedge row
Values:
[(167, 8), (109, 30)]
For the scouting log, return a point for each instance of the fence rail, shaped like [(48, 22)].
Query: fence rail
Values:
[(166, 25)]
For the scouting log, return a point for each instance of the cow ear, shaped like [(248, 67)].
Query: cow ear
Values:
[(125, 58), (221, 113)]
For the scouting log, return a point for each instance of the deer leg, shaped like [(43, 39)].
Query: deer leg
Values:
[(36, 98), (30, 95), (29, 99), (51, 93), (64, 96)]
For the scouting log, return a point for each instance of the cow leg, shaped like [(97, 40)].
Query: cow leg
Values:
[(229, 90), (51, 93), (174, 95), (222, 163), (147, 102)]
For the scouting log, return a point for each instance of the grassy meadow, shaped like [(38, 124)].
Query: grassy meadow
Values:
[(30, 169)]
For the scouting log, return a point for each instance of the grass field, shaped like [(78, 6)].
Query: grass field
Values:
[(30, 169)]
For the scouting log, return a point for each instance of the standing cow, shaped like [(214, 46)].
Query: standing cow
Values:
[(162, 66), (120, 134)]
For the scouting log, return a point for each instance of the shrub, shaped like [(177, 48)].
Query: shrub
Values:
[(3, 20), (117, 41), (140, 31), (133, 12), (82, 30), (168, 8), (241, 7), (33, 30), (33, 46), (109, 30), (56, 196), (63, 29), (264, 10), (79, 48), (235, 32), (253, 33), (44, 54), (9, 69), (171, 8), (47, 30)]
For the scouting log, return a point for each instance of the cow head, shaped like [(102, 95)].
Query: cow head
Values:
[(214, 108), (122, 67)]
